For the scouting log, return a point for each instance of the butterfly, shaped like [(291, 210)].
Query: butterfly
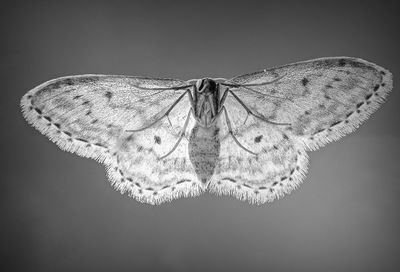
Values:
[(248, 136)]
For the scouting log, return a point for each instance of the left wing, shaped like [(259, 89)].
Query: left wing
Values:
[(92, 115)]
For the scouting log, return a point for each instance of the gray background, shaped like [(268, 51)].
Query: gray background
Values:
[(58, 211)]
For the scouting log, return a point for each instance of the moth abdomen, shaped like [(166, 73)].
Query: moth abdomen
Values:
[(204, 148)]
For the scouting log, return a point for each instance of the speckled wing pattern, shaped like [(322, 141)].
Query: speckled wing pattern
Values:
[(275, 116), (90, 114), (322, 100)]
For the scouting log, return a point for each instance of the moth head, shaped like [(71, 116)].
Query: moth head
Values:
[(206, 85)]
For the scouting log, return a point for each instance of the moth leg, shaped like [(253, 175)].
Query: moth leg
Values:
[(228, 123), (182, 134), (255, 115), (221, 102), (165, 114)]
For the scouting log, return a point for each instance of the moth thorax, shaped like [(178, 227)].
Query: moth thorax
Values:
[(206, 99), (204, 148)]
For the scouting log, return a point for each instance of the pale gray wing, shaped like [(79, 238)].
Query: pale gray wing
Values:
[(320, 100), (91, 115), (263, 164), (323, 99)]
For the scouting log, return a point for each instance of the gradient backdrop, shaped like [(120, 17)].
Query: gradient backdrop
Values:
[(59, 212)]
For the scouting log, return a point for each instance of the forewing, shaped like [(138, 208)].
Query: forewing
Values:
[(323, 99), (91, 115)]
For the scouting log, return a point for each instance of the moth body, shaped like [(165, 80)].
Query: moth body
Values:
[(247, 136), (204, 150), (206, 101)]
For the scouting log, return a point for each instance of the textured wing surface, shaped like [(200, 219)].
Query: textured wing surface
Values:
[(275, 165), (323, 99), (90, 114)]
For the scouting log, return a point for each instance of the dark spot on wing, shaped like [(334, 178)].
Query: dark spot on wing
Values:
[(157, 139), (100, 145), (258, 139), (342, 62), (376, 87), (231, 180), (68, 81), (108, 94), (182, 181), (91, 79), (53, 86), (356, 64), (304, 81), (81, 140)]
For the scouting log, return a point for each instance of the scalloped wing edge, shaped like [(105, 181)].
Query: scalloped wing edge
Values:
[(256, 195)]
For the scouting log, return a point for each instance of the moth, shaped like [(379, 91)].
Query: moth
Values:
[(248, 136)]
